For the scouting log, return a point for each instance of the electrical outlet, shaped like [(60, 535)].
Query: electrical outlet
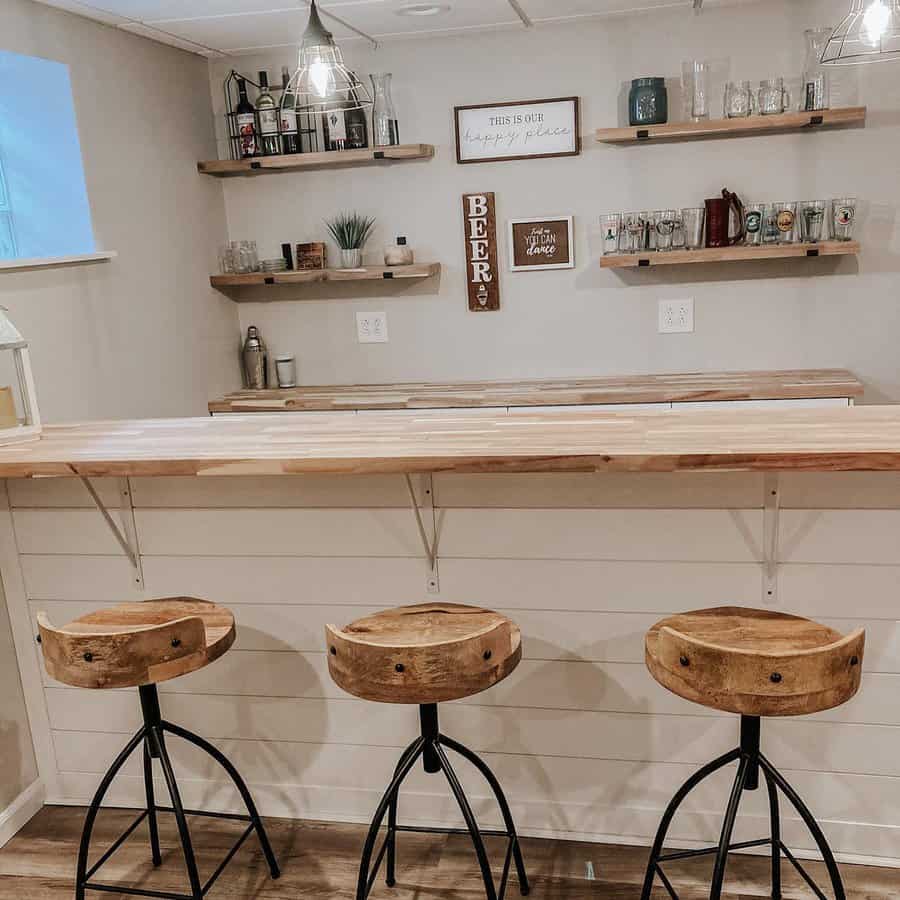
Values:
[(676, 316), (371, 327)]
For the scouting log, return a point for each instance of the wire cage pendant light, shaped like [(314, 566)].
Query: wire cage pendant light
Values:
[(869, 33), (322, 82)]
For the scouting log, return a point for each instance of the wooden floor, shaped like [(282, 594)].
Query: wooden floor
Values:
[(320, 861)]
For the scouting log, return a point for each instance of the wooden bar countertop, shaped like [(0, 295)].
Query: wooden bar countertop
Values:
[(777, 385), (861, 438)]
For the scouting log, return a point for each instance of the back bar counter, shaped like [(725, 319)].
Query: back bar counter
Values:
[(585, 527)]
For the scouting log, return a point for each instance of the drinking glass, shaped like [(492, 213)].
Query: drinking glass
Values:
[(634, 228), (812, 221), (785, 220), (695, 87), (648, 236), (694, 224), (678, 233), (754, 223), (843, 216), (226, 260), (612, 225), (665, 228), (770, 225), (774, 97), (739, 101)]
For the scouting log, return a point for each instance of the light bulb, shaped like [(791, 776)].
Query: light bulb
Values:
[(875, 22), (321, 78)]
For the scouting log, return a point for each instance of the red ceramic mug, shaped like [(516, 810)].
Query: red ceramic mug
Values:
[(718, 217)]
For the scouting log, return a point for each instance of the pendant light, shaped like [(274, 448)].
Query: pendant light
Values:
[(322, 83), (869, 33)]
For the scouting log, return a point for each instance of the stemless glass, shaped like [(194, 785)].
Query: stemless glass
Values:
[(694, 220), (695, 87), (678, 233), (754, 223), (785, 220), (634, 228), (739, 101), (812, 221), (774, 97), (648, 236), (665, 229), (612, 225), (843, 217)]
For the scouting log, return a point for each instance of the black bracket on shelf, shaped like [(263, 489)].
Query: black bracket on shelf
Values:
[(643, 134), (816, 120), (379, 154), (387, 275), (269, 280), (812, 252), (644, 263), (256, 165)]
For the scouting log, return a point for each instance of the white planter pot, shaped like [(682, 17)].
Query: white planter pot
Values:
[(351, 259)]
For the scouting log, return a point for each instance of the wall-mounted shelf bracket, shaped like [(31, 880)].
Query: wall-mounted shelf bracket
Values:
[(771, 522), (427, 526), (126, 533)]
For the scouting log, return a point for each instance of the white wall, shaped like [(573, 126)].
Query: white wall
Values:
[(144, 335), (585, 743), (806, 314)]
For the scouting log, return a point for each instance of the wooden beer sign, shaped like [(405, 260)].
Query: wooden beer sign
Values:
[(482, 270)]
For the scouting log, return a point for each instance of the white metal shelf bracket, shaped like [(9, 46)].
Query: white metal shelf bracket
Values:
[(126, 534), (427, 526), (771, 523)]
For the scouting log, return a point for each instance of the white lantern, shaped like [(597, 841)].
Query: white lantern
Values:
[(20, 422)]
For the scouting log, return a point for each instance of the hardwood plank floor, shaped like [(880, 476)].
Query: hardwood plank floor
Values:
[(320, 861)]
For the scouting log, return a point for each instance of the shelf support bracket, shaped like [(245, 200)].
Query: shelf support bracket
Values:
[(771, 523), (427, 531), (126, 534)]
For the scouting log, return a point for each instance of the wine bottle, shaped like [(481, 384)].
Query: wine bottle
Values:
[(356, 124), (290, 133), (268, 117), (334, 129), (248, 138)]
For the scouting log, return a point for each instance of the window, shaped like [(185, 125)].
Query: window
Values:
[(44, 210)]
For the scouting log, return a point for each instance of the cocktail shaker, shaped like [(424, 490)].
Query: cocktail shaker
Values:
[(255, 361)]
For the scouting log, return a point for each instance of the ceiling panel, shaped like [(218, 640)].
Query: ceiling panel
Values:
[(157, 10)]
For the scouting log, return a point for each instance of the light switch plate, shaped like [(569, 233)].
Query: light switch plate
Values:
[(371, 327), (676, 316)]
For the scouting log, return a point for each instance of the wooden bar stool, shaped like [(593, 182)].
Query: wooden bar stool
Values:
[(425, 655), (140, 645), (756, 664)]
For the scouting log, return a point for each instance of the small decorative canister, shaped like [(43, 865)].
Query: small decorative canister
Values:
[(285, 367), (648, 102), (398, 255)]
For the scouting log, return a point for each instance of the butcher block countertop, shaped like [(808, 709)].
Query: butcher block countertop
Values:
[(783, 385), (861, 438)]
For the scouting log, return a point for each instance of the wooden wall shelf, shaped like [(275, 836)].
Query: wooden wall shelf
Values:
[(729, 254), (725, 128), (268, 165), (317, 276)]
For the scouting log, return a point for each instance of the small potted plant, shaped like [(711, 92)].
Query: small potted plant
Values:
[(350, 232)]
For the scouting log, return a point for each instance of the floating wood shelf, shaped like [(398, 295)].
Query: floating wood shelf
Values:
[(317, 276), (268, 165), (729, 254), (724, 128)]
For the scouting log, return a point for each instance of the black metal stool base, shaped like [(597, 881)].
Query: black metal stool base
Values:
[(750, 763), (152, 736), (430, 748)]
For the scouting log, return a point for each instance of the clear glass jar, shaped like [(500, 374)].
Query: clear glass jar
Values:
[(816, 77)]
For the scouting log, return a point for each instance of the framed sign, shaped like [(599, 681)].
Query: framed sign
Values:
[(540, 244), (482, 269), (528, 129)]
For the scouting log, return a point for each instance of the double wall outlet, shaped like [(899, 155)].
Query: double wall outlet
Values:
[(676, 316), (371, 327)]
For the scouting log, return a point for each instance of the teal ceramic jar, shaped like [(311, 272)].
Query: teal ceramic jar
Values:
[(648, 102)]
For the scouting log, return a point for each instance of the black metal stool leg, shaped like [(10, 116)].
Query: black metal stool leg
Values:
[(472, 825), (491, 779), (740, 782), (775, 815), (239, 783), (151, 805), (669, 814), (158, 748), (834, 874), (94, 808), (367, 878), (391, 860)]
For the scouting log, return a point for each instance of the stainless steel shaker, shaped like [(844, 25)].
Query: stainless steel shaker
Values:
[(255, 361)]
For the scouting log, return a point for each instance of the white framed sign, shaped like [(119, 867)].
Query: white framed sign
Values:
[(536, 245), (527, 129)]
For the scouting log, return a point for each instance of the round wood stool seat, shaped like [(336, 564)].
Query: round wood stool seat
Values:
[(423, 654), (136, 644), (755, 662)]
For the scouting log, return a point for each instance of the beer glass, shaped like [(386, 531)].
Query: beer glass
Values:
[(754, 223), (612, 225), (785, 220), (812, 221), (739, 101), (843, 216), (774, 97), (665, 229)]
